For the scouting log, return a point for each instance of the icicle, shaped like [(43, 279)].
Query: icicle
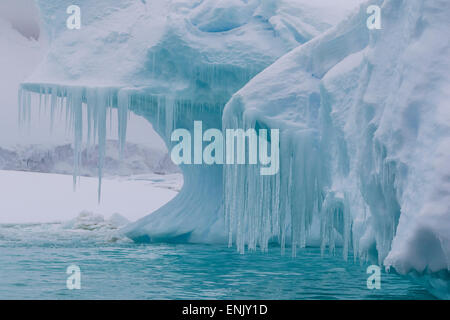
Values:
[(40, 102), (259, 209), (170, 115), (98, 101), (77, 116), (54, 92), (20, 109), (103, 101), (122, 114)]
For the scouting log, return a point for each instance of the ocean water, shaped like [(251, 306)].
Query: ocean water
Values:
[(34, 259)]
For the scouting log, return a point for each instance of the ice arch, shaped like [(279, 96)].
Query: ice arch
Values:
[(173, 63), (188, 217)]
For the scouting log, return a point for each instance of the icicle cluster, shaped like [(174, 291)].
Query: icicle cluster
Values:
[(86, 111), (280, 208), (79, 103), (283, 208)]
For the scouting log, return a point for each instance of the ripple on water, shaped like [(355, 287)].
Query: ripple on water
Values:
[(35, 258)]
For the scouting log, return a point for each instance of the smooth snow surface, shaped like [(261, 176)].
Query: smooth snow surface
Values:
[(30, 197)]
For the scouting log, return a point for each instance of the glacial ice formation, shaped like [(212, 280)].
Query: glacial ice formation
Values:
[(365, 131), (363, 118), (172, 63)]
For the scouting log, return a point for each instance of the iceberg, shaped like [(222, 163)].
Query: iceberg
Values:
[(363, 118)]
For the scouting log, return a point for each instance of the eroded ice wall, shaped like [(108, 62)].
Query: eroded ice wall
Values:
[(365, 135)]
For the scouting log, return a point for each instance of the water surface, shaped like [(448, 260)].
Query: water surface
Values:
[(34, 259)]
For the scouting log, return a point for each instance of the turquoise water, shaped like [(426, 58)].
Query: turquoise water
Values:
[(34, 258)]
